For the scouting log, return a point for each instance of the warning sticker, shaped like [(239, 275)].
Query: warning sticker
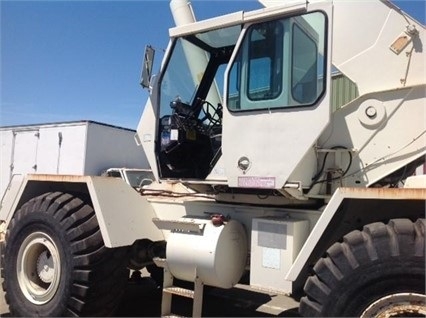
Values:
[(256, 182), (174, 134)]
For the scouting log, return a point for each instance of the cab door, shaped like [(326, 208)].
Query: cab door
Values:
[(277, 105)]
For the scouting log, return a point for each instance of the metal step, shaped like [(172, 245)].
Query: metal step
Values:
[(188, 293), (169, 290)]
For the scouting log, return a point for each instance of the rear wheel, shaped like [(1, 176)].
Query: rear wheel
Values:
[(379, 270), (54, 261)]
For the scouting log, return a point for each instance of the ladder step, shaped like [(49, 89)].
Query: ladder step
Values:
[(179, 291)]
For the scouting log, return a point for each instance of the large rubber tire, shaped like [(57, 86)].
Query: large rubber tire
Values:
[(382, 264), (55, 263)]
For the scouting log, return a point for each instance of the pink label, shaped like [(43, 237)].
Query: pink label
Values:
[(256, 182)]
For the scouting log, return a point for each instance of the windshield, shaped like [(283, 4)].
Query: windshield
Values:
[(186, 81), (190, 126)]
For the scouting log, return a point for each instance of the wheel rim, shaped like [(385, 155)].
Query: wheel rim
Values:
[(38, 268), (397, 305)]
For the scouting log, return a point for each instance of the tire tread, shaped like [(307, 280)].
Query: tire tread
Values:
[(98, 274), (376, 244)]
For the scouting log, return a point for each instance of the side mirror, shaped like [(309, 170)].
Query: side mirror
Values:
[(148, 63)]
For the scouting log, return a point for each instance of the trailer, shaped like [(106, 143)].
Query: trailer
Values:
[(67, 148), (266, 168)]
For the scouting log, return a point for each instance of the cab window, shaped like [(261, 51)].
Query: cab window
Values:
[(280, 64)]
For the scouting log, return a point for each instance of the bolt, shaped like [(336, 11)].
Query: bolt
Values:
[(411, 30), (371, 112)]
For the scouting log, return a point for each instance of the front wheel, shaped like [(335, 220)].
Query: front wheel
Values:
[(54, 261), (38, 268), (379, 271)]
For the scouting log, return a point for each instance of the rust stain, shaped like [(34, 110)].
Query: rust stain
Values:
[(57, 178), (404, 311), (385, 193)]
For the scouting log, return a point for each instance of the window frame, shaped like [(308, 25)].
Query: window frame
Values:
[(241, 58), (273, 65)]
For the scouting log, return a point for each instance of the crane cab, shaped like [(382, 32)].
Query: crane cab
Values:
[(221, 80), (250, 101)]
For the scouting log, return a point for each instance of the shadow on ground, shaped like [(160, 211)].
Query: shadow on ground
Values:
[(143, 299)]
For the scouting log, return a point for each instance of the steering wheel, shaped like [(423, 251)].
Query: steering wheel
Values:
[(211, 113)]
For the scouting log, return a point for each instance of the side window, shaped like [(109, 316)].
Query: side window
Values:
[(234, 81), (265, 52), (304, 67), (280, 64)]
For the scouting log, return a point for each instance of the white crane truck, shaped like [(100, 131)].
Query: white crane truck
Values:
[(284, 141)]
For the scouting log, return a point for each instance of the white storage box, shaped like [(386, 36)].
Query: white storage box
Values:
[(68, 148), (275, 244)]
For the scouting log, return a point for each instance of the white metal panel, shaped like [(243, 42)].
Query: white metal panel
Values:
[(24, 157), (35, 149), (123, 214), (18, 154), (111, 147), (274, 141), (62, 149), (147, 130), (367, 59), (10, 197), (6, 144), (69, 148), (285, 7), (416, 182), (386, 142), (275, 244)]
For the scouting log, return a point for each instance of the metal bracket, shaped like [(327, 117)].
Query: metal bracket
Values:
[(405, 38), (179, 225)]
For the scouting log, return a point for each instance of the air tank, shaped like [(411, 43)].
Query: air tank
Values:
[(217, 254)]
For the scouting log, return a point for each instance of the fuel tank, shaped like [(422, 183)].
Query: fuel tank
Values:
[(217, 254)]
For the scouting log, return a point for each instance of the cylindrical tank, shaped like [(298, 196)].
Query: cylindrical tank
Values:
[(182, 12), (217, 255)]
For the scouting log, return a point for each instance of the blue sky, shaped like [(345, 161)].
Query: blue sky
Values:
[(81, 60)]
